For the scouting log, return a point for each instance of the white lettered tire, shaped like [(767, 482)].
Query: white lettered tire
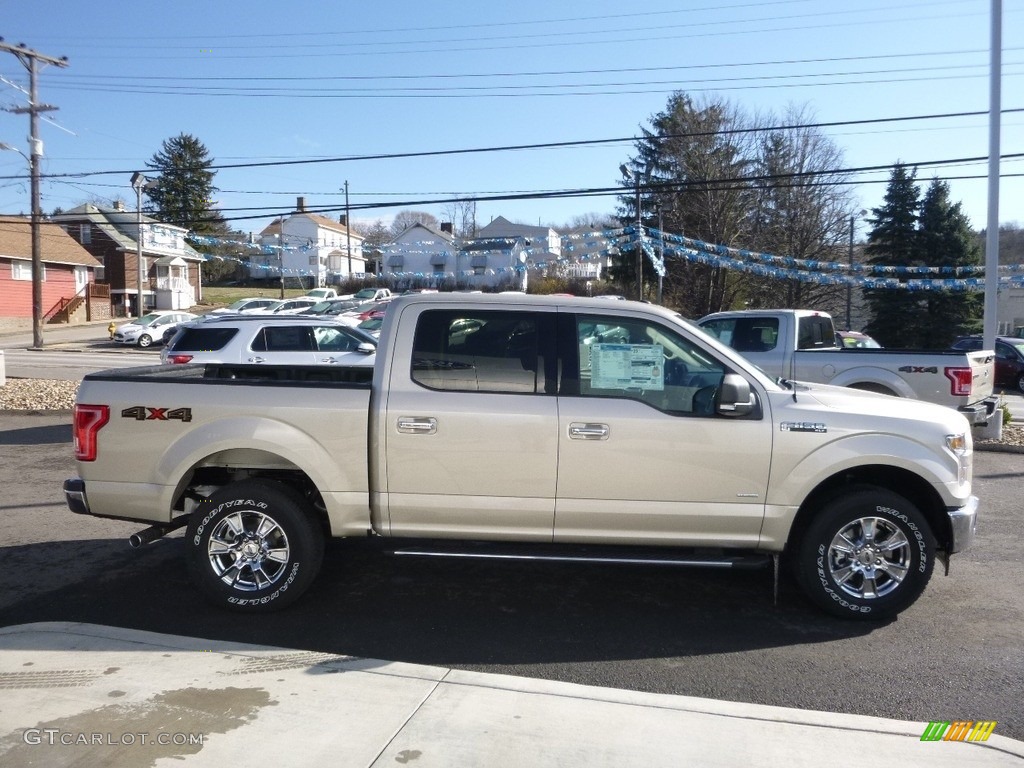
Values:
[(252, 546), (868, 554)]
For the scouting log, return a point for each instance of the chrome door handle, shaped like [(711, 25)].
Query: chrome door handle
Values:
[(578, 431), (417, 425), (328, 359), (257, 360)]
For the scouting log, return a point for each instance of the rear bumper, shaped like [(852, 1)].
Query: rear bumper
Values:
[(979, 413), (962, 524), (74, 494)]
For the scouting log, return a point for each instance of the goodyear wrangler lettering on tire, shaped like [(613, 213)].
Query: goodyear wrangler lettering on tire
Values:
[(257, 548), (868, 553)]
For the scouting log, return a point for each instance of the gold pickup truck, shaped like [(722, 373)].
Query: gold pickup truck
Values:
[(529, 427)]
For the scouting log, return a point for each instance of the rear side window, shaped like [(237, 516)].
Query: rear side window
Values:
[(746, 334), (201, 339), (283, 338), (478, 351), (815, 332)]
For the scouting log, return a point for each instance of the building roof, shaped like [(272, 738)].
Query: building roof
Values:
[(324, 222), (502, 227), (56, 245), (121, 226), (447, 237)]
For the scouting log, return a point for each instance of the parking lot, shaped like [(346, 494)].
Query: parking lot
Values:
[(958, 653)]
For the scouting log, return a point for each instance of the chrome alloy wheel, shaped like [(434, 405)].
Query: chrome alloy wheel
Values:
[(248, 551), (869, 557)]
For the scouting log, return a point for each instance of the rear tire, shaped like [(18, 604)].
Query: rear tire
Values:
[(867, 555), (252, 547)]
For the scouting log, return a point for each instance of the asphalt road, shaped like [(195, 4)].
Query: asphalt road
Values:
[(957, 654)]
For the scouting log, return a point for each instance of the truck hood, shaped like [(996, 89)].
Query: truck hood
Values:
[(852, 406)]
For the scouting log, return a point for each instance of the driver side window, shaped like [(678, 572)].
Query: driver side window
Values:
[(643, 360)]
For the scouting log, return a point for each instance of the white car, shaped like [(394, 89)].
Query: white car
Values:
[(270, 340), (284, 307), (243, 304), (321, 294), (151, 327)]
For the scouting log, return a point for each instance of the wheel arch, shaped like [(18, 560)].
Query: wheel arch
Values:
[(900, 481)]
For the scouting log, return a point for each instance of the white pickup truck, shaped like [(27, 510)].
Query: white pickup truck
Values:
[(533, 427), (800, 344)]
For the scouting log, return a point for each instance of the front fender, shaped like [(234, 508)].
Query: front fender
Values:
[(792, 481)]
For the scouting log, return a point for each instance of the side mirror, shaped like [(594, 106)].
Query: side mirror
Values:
[(736, 399), (366, 348)]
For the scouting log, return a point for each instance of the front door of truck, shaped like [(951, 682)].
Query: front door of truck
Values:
[(470, 429), (644, 458)]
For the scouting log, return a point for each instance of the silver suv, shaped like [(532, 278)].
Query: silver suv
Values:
[(270, 340)]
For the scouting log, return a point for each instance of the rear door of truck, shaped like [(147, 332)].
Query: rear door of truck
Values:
[(468, 443)]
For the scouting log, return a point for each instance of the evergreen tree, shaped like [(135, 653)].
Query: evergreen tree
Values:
[(946, 240), (895, 241), (691, 163), (183, 196), (183, 193)]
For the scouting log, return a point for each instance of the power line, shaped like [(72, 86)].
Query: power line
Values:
[(546, 145)]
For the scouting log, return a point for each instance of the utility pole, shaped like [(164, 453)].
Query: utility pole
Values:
[(30, 59), (348, 233)]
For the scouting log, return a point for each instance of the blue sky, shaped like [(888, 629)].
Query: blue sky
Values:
[(261, 82)]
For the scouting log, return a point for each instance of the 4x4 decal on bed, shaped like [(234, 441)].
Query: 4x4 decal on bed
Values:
[(146, 413)]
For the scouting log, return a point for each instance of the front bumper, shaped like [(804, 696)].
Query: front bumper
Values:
[(962, 524)]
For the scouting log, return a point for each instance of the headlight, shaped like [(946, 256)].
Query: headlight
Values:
[(960, 446)]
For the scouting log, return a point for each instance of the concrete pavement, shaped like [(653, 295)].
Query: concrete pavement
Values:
[(81, 694)]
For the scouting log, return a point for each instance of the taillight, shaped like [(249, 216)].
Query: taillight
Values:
[(88, 420), (178, 359), (961, 380)]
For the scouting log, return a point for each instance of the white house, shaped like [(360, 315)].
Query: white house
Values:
[(308, 246), (543, 245), (422, 254)]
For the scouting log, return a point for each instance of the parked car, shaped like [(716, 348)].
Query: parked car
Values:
[(256, 302), (271, 340), (151, 327), (330, 307), (369, 294), (855, 340), (1009, 358), (321, 294), (283, 307)]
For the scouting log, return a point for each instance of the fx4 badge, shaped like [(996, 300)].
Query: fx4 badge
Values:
[(146, 413), (802, 426), (918, 369)]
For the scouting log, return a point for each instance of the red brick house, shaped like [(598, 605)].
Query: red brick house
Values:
[(171, 274), (68, 279)]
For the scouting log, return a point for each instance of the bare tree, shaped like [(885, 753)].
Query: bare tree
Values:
[(801, 209), (462, 215), (405, 219)]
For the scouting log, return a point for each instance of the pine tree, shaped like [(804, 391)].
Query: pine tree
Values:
[(183, 196), (947, 241), (895, 241), (183, 193)]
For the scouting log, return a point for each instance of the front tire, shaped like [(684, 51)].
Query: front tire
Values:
[(1020, 383), (145, 340), (252, 547), (867, 555)]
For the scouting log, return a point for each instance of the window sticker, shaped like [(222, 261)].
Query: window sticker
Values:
[(627, 366)]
